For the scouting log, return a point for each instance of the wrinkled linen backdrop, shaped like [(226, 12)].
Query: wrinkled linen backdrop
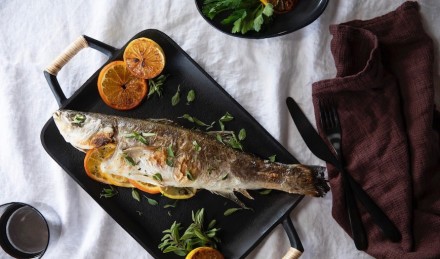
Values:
[(259, 74)]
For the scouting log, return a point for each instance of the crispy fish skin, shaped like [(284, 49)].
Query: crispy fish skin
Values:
[(183, 157)]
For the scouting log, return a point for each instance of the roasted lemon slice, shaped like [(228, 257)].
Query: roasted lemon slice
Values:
[(204, 252), (178, 193)]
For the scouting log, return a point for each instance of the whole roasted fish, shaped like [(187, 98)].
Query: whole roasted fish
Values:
[(183, 157)]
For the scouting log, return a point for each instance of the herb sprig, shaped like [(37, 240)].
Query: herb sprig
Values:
[(156, 85), (243, 15), (194, 236)]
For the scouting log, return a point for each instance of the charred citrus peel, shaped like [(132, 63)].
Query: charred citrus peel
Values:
[(145, 187), (144, 58), (92, 165), (204, 252), (120, 89)]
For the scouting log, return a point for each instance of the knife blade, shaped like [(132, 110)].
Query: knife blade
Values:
[(319, 148)]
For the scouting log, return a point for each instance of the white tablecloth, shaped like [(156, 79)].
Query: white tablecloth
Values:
[(259, 74)]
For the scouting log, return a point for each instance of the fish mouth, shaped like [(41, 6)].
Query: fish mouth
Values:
[(56, 115)]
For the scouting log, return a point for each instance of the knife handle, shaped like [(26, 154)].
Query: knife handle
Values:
[(379, 217), (293, 253), (354, 217)]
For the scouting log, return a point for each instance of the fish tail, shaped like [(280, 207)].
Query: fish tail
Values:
[(319, 181), (307, 180)]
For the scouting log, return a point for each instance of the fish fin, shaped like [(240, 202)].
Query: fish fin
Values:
[(80, 149), (245, 193), (165, 121), (231, 196), (141, 148)]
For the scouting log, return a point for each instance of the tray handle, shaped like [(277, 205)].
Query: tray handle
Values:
[(296, 249), (51, 71)]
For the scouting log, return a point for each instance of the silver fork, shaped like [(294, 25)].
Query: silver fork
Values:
[(332, 128)]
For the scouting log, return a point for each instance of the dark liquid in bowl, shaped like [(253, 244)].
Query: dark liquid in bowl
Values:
[(27, 231)]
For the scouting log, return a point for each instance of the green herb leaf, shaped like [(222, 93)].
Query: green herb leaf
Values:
[(272, 158), (135, 194), (212, 223), (268, 10), (234, 142), (79, 118), (189, 175), (108, 192), (226, 117), (242, 134), (244, 15), (265, 192), (129, 160), (191, 96), (222, 125), (258, 22), (157, 177), (196, 121), (176, 98), (166, 206), (187, 117), (138, 136), (196, 146), (219, 138), (156, 85), (170, 150), (194, 236), (170, 157), (151, 201), (231, 211), (148, 134)]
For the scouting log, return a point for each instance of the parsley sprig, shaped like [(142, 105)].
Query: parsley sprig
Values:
[(244, 15)]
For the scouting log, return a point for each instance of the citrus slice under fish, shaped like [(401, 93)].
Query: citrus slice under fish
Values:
[(177, 193), (92, 165), (145, 187)]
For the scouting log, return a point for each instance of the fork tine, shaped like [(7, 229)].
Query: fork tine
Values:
[(325, 113), (335, 116), (321, 112)]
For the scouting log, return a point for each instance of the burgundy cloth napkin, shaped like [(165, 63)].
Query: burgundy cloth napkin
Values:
[(385, 99)]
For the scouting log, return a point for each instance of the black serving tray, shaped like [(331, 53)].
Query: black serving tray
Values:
[(241, 231)]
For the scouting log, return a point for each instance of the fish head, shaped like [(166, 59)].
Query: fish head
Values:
[(84, 130)]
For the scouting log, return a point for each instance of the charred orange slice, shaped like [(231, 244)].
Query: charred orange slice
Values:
[(119, 88), (204, 252), (144, 58), (145, 187), (92, 162), (92, 165)]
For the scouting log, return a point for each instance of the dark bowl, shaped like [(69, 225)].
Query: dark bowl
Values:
[(304, 13)]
